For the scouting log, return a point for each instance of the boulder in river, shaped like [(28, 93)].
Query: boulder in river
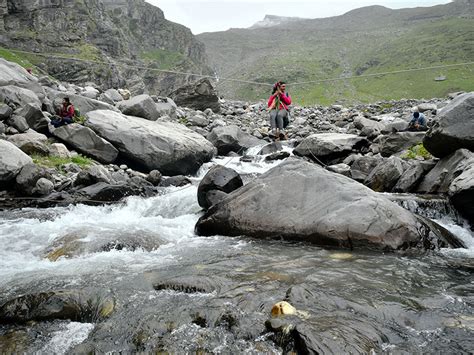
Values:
[(461, 192), (218, 178), (445, 171), (330, 148), (232, 139), (75, 305), (321, 207)]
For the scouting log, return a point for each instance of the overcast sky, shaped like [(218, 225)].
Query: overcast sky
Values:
[(212, 15)]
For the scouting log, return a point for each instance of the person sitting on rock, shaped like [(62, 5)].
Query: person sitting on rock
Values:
[(278, 104), (66, 114), (418, 122)]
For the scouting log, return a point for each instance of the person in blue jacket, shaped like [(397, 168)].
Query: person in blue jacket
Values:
[(418, 122)]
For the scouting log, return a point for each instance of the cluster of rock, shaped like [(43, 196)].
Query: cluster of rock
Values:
[(368, 144), (115, 130)]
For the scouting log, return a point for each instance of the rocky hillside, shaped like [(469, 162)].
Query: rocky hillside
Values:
[(117, 32), (364, 41)]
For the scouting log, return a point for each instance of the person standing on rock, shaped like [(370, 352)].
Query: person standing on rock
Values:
[(66, 114), (278, 104), (418, 122)]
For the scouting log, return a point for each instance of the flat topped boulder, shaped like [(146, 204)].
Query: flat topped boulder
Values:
[(329, 146), (199, 96), (82, 103), (140, 106), (168, 147), (321, 207), (232, 139), (453, 128), (87, 142)]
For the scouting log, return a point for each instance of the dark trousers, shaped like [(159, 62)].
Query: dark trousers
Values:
[(61, 121)]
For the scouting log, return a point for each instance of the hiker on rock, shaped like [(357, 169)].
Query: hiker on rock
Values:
[(418, 122), (66, 114), (278, 104)]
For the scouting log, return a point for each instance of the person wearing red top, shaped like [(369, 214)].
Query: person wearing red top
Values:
[(66, 114), (278, 104)]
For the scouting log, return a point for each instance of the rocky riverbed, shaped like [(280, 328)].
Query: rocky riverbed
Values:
[(114, 254)]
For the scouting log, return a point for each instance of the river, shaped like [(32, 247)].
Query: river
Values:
[(359, 302)]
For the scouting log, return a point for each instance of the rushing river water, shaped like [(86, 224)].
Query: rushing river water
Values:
[(358, 302)]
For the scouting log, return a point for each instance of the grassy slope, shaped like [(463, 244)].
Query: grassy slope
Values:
[(333, 50)]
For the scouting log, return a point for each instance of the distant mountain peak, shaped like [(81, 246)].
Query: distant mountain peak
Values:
[(273, 20)]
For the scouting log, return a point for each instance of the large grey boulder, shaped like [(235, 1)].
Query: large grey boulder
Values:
[(83, 104), (87, 142), (114, 95), (363, 165), (461, 192), (12, 160), (14, 74), (232, 139), (426, 106), (140, 106), (453, 128), (385, 175), (412, 176), (34, 117), (166, 106), (330, 148), (18, 96), (391, 123), (59, 150), (446, 170), (93, 175), (199, 96), (30, 142), (198, 120), (5, 111), (43, 187), (320, 207), (108, 192), (369, 128), (28, 177), (217, 178), (52, 305), (398, 142), (19, 123), (165, 146)]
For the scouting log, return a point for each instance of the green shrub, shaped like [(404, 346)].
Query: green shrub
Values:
[(57, 162), (417, 151)]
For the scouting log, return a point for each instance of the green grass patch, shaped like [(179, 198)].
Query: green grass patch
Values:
[(88, 52), (16, 58), (57, 162), (163, 59), (417, 151)]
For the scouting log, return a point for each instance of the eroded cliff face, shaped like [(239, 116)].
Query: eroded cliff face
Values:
[(120, 33)]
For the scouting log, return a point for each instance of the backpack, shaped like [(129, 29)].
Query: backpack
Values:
[(77, 117)]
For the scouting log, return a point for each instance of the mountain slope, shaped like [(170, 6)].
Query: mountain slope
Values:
[(363, 41), (114, 31)]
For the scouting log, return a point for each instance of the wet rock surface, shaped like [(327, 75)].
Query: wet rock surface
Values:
[(328, 213)]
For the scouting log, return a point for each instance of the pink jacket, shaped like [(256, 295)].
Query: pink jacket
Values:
[(284, 101)]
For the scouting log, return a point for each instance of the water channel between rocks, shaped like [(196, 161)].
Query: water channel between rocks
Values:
[(357, 303)]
